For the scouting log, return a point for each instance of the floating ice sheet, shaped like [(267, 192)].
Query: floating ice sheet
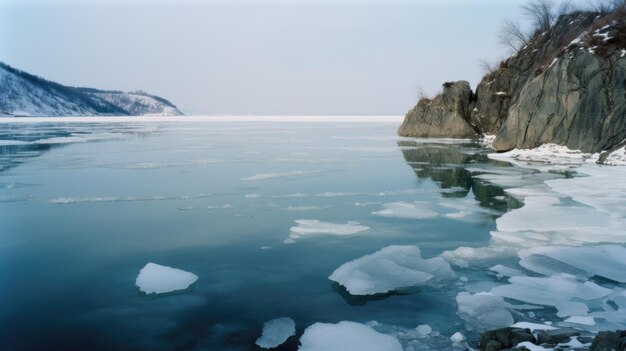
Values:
[(346, 336), (554, 290), (156, 279), (276, 332), (411, 210), (393, 268), (308, 227), (607, 261)]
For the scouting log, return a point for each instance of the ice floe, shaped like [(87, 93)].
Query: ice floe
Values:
[(394, 268), (484, 310), (309, 227), (276, 332), (607, 261), (554, 290), (412, 210), (346, 336), (156, 279)]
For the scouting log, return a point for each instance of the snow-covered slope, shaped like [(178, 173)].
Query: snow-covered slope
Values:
[(23, 94)]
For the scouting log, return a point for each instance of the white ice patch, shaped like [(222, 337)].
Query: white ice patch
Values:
[(276, 332), (465, 256), (409, 210), (504, 271), (13, 142), (584, 320), (346, 336), (484, 311), (607, 261), (157, 279), (617, 157), (393, 268), (287, 175), (308, 227), (554, 290), (61, 140)]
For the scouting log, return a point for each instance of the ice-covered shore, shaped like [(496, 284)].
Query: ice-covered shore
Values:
[(557, 262)]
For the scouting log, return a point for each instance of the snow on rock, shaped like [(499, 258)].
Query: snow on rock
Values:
[(346, 336), (554, 290), (533, 326), (276, 332), (484, 310), (156, 279), (616, 158), (411, 210), (552, 153), (487, 140), (393, 268), (308, 227), (607, 261)]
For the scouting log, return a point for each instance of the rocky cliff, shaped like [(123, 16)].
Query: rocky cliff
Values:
[(567, 86), (23, 94)]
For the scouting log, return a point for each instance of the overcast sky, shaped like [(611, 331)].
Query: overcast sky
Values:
[(258, 57)]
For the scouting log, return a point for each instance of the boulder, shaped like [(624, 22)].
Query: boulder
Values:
[(504, 338), (445, 116), (556, 336), (606, 341)]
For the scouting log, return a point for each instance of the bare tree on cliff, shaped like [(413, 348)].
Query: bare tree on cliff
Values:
[(541, 12)]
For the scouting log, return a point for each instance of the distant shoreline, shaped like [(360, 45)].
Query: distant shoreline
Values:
[(221, 118)]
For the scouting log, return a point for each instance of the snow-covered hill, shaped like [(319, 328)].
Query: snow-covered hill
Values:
[(23, 94)]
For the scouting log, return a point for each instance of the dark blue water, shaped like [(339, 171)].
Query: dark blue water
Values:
[(81, 215)]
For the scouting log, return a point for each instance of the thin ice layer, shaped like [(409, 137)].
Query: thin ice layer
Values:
[(276, 332)]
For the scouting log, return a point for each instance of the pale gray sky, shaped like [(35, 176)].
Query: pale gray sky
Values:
[(258, 57)]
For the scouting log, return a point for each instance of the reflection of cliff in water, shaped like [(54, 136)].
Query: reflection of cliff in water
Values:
[(446, 165)]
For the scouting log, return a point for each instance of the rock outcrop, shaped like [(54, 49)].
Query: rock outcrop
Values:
[(447, 115), (567, 87)]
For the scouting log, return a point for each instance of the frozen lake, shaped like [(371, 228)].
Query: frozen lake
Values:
[(263, 212)]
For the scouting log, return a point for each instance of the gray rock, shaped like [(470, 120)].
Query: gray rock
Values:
[(555, 336), (447, 115), (504, 338), (606, 341)]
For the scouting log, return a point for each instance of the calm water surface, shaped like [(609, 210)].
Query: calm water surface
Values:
[(83, 207)]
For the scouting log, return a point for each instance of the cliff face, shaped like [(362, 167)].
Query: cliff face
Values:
[(23, 94), (567, 86)]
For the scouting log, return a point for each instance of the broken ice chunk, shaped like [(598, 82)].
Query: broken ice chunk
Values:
[(346, 336), (156, 279), (276, 332), (484, 310), (393, 268)]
